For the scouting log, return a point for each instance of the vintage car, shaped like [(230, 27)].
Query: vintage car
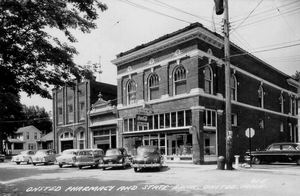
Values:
[(277, 152), (115, 157), (67, 157), (2, 157), (24, 156), (88, 157), (43, 157), (147, 157)]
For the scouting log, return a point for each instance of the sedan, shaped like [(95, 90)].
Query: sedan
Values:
[(2, 157), (147, 157), (88, 157), (115, 157), (278, 152), (68, 157), (24, 156), (44, 157)]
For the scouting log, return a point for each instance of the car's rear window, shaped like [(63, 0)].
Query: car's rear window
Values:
[(112, 152), (69, 152), (141, 151)]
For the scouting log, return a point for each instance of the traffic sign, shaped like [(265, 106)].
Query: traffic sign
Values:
[(250, 132)]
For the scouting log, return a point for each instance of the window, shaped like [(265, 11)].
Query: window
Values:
[(81, 111), (208, 80), (70, 108), (80, 140), (292, 106), (281, 127), (131, 92), (233, 88), (59, 111), (180, 80), (60, 115), (153, 86), (234, 120), (35, 136), (281, 103), (209, 118), (275, 147), (27, 135), (261, 96), (31, 146)]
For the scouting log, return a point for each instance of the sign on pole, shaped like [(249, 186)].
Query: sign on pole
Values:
[(250, 132)]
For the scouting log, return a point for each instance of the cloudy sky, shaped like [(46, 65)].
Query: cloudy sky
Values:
[(267, 28)]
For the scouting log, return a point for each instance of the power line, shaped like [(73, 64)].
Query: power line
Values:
[(152, 10), (248, 15)]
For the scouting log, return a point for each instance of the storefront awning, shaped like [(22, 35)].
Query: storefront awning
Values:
[(104, 123), (15, 141)]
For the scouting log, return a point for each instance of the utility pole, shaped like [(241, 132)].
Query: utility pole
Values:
[(227, 88)]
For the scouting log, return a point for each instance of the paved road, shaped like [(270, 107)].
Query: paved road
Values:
[(183, 180)]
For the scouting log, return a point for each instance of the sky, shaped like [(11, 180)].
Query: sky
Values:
[(269, 29)]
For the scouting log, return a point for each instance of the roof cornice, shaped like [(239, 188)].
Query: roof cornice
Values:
[(198, 32)]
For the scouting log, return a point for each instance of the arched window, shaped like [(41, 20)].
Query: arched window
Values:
[(131, 92), (208, 80), (179, 80), (281, 99), (233, 88), (80, 140), (153, 86), (261, 96)]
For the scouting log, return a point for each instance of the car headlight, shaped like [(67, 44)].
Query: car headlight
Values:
[(121, 161)]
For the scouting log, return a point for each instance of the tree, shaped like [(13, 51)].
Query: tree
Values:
[(30, 54), (38, 117), (296, 76)]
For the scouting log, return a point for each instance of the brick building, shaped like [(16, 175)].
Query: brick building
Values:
[(171, 94), (70, 112)]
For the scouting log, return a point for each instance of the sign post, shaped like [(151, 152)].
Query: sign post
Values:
[(250, 133)]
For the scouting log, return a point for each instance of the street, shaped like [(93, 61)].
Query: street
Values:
[(175, 179)]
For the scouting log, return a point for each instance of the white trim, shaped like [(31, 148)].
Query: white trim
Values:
[(201, 53), (157, 130)]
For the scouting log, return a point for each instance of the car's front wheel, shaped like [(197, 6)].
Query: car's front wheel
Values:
[(60, 165), (256, 160), (18, 163), (136, 169), (80, 167)]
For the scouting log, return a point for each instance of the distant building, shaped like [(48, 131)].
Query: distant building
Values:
[(70, 112), (24, 139), (171, 94), (46, 141), (103, 124)]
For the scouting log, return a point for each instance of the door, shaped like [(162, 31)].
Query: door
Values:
[(68, 144)]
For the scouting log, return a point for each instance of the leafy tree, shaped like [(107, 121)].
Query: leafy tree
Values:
[(30, 54), (296, 76), (38, 117)]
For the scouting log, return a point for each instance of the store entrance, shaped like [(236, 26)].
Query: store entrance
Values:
[(67, 144)]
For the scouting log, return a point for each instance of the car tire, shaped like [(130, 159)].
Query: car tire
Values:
[(34, 164), (60, 165), (103, 168), (256, 160), (135, 169), (298, 162), (18, 163), (96, 166), (79, 167), (28, 162)]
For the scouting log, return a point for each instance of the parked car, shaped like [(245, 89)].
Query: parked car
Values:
[(115, 157), (89, 157), (24, 156), (67, 157), (2, 157), (277, 152), (43, 157), (147, 157)]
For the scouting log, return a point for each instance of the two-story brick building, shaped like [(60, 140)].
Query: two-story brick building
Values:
[(171, 94), (70, 112)]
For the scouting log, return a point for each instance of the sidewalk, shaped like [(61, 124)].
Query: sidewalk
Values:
[(278, 169)]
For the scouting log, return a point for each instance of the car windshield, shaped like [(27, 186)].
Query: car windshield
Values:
[(24, 152), (112, 152), (69, 152), (41, 153), (145, 151)]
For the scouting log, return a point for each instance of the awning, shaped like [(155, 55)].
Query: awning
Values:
[(15, 141), (104, 123)]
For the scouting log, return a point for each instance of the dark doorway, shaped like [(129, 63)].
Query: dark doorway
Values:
[(104, 147), (66, 145)]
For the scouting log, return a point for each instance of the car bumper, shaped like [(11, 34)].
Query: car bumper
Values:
[(140, 165), (112, 165)]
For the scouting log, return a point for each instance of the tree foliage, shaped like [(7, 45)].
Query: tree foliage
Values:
[(34, 58), (38, 117), (296, 76)]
